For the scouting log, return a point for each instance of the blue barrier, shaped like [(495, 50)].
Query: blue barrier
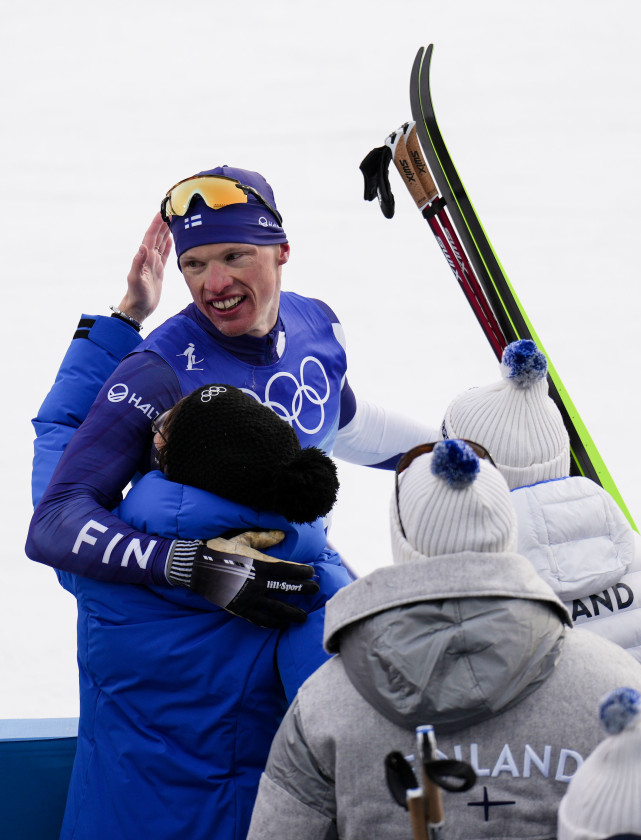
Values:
[(36, 756)]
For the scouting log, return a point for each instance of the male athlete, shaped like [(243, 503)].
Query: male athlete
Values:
[(285, 350)]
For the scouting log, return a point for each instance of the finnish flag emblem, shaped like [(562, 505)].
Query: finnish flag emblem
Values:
[(193, 221)]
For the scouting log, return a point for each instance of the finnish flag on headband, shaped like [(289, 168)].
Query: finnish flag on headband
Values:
[(193, 221)]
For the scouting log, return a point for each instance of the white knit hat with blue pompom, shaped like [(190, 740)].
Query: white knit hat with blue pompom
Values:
[(515, 419), (450, 501), (603, 799)]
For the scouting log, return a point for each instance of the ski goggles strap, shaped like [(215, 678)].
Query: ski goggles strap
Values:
[(217, 191), (424, 449)]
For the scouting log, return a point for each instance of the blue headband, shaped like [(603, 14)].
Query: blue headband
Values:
[(251, 222)]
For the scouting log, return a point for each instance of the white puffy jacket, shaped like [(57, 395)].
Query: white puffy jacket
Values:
[(582, 545)]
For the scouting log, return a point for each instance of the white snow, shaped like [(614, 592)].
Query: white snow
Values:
[(105, 105)]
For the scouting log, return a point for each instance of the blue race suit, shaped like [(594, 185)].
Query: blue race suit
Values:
[(74, 528)]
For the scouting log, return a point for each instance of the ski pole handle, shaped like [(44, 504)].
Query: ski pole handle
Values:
[(419, 163), (426, 752), (416, 807), (420, 189)]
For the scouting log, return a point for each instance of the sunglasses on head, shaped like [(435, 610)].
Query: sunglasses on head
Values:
[(216, 191), (424, 449)]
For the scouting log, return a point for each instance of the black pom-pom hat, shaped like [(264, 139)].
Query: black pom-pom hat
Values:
[(223, 440)]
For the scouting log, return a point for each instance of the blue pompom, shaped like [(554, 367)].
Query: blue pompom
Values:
[(455, 462), (619, 709), (523, 363)]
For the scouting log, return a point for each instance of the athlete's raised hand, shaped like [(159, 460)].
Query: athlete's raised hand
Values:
[(144, 281)]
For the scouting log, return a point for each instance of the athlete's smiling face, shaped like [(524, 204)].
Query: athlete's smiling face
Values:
[(236, 285)]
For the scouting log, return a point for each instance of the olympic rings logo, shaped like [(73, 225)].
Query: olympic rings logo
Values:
[(303, 396), (213, 391)]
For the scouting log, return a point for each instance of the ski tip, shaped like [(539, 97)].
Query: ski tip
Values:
[(421, 65), (416, 67)]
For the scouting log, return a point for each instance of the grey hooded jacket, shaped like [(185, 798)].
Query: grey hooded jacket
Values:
[(475, 644)]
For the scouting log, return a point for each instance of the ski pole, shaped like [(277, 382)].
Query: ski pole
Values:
[(422, 170), (424, 801), (413, 169), (426, 753), (416, 807), (404, 788)]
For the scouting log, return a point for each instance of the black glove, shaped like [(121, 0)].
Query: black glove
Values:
[(234, 575), (375, 169)]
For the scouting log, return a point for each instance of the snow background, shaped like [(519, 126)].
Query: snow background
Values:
[(106, 105)]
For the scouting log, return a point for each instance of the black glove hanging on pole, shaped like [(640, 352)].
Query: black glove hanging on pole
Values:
[(375, 169), (235, 575)]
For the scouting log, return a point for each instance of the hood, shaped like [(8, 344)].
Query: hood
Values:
[(450, 640)]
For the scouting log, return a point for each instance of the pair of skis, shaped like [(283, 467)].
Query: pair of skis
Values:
[(424, 163)]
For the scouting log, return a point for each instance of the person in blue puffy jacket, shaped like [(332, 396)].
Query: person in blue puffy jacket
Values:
[(179, 698)]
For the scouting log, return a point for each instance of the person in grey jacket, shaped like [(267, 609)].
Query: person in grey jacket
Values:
[(569, 527), (460, 633)]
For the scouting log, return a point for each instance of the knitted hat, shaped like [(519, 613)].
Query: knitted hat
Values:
[(515, 419), (222, 440), (450, 501), (603, 799), (251, 222)]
